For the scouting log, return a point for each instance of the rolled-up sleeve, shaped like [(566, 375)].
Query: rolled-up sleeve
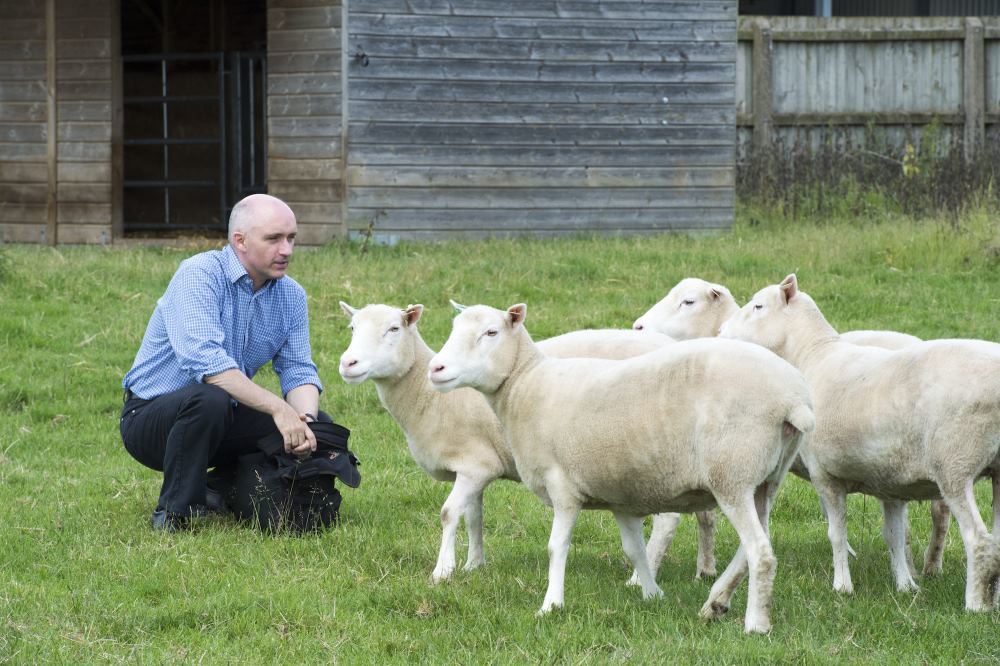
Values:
[(293, 362), (191, 314)]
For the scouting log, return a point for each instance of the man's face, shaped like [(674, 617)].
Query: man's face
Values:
[(266, 246)]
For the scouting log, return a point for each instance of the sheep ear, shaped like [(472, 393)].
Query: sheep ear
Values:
[(411, 315), (516, 314), (714, 294), (789, 287), (348, 310), (458, 306)]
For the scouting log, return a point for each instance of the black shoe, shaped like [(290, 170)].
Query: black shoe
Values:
[(164, 521), (215, 502)]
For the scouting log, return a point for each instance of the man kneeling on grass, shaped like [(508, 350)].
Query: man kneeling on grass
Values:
[(190, 402)]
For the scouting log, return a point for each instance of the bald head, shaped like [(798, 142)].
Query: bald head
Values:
[(254, 209)]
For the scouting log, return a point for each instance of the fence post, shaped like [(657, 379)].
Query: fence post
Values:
[(763, 84), (974, 93)]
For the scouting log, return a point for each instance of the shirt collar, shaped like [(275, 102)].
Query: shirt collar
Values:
[(231, 265), (235, 270)]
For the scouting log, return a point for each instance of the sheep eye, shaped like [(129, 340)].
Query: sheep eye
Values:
[(491, 332), (689, 301), (758, 306), (393, 329)]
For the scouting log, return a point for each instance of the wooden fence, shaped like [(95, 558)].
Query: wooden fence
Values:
[(798, 78)]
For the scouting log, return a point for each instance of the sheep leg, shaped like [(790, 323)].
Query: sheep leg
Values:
[(996, 504), (980, 549), (722, 590), (664, 528), (894, 531), (559, 540), (754, 553), (996, 533), (826, 517), (465, 490), (474, 526), (630, 528), (940, 518), (706, 544), (835, 500)]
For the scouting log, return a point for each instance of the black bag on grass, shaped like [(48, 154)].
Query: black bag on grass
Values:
[(279, 492)]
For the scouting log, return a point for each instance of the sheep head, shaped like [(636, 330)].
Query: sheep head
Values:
[(777, 317), (481, 350), (694, 308), (381, 342)]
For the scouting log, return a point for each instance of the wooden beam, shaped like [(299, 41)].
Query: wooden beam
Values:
[(858, 35), (763, 83), (345, 61), (842, 118), (117, 127), (974, 88), (51, 97)]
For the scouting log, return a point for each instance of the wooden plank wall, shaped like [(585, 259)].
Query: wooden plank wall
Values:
[(84, 93), (55, 151), (24, 172), (545, 117), (304, 103)]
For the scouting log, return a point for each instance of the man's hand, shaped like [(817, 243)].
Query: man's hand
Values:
[(297, 435), (289, 417)]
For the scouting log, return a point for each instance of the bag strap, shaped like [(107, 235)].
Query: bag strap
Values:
[(329, 437)]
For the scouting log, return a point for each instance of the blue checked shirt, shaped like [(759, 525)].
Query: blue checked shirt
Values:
[(210, 320)]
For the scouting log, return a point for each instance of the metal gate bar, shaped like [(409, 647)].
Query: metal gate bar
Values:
[(165, 99)]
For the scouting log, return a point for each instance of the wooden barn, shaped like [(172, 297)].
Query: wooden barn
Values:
[(403, 119)]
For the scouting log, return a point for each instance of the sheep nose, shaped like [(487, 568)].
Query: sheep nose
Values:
[(637, 326), (349, 363), (437, 368)]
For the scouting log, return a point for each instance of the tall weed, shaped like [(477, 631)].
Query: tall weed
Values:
[(845, 178)]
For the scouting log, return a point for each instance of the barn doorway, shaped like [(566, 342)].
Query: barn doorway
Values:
[(193, 112)]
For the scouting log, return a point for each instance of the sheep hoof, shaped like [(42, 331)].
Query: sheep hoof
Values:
[(633, 581), (978, 607), (546, 609), (469, 566), (706, 574), (760, 627), (713, 610), (441, 576), (907, 586), (657, 593), (932, 568)]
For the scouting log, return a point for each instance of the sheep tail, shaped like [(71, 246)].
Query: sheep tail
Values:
[(801, 418)]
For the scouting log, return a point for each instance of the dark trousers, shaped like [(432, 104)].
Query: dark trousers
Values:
[(184, 433)]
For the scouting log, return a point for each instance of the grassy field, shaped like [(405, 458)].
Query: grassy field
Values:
[(83, 579)]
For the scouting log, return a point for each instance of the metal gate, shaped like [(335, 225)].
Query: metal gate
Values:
[(194, 138)]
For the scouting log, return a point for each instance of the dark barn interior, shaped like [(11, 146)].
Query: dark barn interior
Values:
[(193, 112)]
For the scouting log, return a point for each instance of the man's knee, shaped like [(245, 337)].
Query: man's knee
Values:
[(208, 402)]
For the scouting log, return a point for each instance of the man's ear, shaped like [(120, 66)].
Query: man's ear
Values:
[(789, 287), (348, 310), (516, 314), (411, 315)]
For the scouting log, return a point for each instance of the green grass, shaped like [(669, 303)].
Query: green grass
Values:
[(83, 579)]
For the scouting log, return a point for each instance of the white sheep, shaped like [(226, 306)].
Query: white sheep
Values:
[(921, 422), (693, 425), (456, 437), (695, 308)]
